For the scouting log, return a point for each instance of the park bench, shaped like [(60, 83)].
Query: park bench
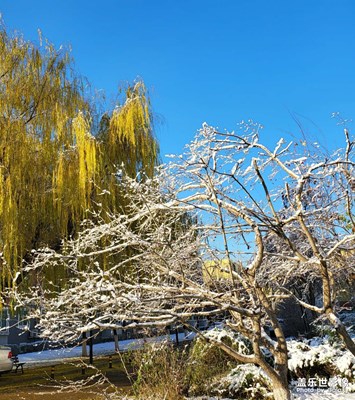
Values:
[(17, 364)]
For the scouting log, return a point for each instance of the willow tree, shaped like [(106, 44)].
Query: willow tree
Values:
[(53, 167)]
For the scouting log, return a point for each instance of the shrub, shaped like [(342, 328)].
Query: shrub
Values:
[(160, 371), (244, 382), (319, 357), (207, 362)]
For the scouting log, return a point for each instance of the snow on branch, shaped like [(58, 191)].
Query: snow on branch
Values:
[(229, 228)]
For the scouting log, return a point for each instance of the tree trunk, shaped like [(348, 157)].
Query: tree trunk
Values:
[(280, 390), (278, 374), (342, 332), (279, 382)]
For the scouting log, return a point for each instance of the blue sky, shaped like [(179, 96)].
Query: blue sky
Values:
[(216, 61)]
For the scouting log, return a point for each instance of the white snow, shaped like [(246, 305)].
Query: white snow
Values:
[(318, 351), (99, 349)]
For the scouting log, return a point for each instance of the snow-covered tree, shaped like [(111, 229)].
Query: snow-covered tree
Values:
[(222, 229)]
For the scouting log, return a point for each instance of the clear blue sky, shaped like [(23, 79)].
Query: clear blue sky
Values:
[(216, 61)]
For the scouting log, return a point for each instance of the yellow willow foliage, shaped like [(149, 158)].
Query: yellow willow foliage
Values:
[(74, 175), (52, 168), (2, 190), (130, 130), (86, 149), (38, 99)]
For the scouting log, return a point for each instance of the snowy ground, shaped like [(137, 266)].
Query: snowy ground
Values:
[(61, 355)]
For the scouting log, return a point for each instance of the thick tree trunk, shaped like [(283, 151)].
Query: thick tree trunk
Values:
[(280, 383), (278, 374), (281, 391)]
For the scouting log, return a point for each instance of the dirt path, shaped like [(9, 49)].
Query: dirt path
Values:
[(34, 383), (44, 396)]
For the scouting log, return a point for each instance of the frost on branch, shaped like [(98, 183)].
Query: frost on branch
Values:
[(230, 228)]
